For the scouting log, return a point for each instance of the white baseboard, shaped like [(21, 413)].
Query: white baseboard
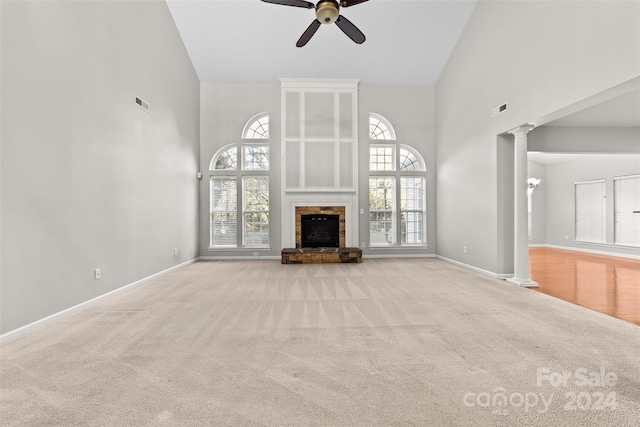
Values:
[(476, 269), (238, 258), (591, 251), (566, 248), (26, 329), (400, 256)]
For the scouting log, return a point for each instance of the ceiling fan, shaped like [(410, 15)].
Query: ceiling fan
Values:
[(327, 12)]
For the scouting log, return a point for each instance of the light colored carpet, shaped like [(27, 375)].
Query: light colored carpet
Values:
[(386, 342)]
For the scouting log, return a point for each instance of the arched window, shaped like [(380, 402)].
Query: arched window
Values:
[(397, 195), (225, 159), (257, 127), (380, 128), (239, 190), (410, 161)]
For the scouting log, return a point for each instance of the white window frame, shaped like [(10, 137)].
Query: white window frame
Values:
[(394, 157), (388, 199), (239, 175), (246, 211), (254, 144), (420, 210), (396, 176)]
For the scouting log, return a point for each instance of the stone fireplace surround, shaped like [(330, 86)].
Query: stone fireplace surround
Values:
[(324, 210)]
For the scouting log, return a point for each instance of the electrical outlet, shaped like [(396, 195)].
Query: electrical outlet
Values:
[(256, 253), (364, 244), (464, 249), (566, 237), (175, 252), (98, 273)]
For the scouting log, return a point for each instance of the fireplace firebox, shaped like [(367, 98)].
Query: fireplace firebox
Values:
[(320, 231)]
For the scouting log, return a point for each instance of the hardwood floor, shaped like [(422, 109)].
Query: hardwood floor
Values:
[(607, 284)]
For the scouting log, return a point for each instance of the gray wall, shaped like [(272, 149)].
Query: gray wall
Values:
[(89, 180), (560, 195), (591, 139), (540, 57), (226, 108)]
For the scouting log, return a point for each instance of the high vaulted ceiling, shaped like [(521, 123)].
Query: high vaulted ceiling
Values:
[(249, 41)]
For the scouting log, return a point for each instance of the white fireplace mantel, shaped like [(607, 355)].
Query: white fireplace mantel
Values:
[(291, 201)]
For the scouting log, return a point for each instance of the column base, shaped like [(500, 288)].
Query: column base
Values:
[(527, 283)]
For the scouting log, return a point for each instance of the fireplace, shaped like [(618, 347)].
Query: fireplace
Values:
[(320, 231), (320, 226), (320, 236)]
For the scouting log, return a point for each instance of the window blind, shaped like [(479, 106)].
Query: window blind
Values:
[(224, 222), (256, 211)]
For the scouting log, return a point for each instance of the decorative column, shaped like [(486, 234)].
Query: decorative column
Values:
[(521, 242)]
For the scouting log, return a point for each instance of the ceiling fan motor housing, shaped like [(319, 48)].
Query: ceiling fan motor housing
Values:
[(327, 11)]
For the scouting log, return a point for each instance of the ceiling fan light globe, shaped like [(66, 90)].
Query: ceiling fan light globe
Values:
[(327, 12)]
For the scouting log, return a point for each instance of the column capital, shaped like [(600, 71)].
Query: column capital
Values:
[(522, 129)]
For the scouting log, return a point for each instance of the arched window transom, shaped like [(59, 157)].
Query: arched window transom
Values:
[(226, 159), (257, 127), (380, 128)]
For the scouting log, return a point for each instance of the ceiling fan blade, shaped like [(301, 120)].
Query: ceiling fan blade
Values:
[(309, 32), (347, 3), (350, 30), (295, 3)]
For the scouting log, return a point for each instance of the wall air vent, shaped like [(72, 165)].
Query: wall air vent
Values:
[(142, 104), (499, 109)]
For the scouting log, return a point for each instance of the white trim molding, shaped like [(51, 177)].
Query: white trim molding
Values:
[(391, 256), (290, 202), (591, 251), (476, 269), (313, 83), (239, 258)]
